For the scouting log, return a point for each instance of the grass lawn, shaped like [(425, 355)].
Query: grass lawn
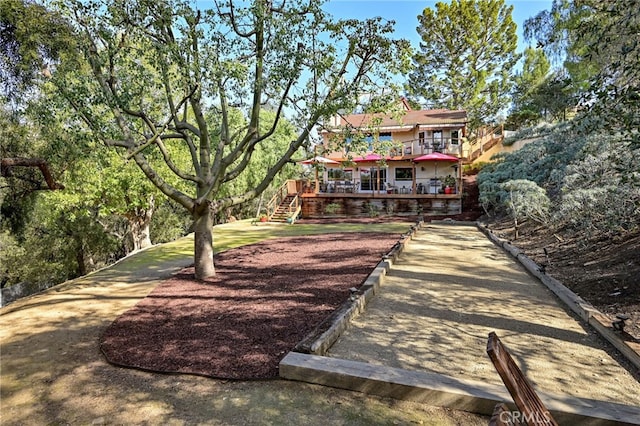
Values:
[(240, 233)]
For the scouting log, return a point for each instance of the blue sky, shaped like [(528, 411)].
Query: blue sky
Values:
[(405, 13)]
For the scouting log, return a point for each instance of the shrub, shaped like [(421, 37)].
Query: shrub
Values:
[(332, 208), (525, 200)]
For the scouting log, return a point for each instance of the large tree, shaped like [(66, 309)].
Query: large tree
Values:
[(539, 94), (535, 69), (160, 67), (466, 56), (600, 45)]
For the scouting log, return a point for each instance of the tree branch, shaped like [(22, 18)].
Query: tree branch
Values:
[(6, 164)]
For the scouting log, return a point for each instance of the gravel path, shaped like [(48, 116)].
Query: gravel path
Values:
[(450, 288)]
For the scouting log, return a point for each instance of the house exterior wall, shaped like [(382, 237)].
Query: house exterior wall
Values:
[(411, 141), (359, 183), (364, 174)]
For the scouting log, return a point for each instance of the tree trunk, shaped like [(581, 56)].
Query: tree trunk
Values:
[(139, 225), (203, 240), (80, 258), (140, 234)]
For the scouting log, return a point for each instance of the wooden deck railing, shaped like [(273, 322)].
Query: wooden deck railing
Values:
[(290, 187), (486, 138)]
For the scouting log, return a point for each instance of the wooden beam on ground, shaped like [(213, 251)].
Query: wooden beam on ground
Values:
[(532, 411)]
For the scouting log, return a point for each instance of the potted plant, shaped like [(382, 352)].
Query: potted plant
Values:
[(450, 185)]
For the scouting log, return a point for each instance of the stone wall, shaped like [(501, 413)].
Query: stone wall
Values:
[(327, 206)]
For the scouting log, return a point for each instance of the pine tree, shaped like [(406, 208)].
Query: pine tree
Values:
[(466, 57)]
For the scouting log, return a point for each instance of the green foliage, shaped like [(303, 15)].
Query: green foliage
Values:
[(592, 183), (522, 118), (166, 79), (540, 95), (372, 210), (601, 194), (265, 156), (467, 53), (449, 181), (170, 222), (19, 137), (526, 200), (600, 42), (58, 244), (535, 69), (526, 110), (332, 208), (474, 168), (32, 39), (11, 253)]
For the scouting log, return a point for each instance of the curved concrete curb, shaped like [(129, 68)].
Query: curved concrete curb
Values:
[(629, 348), (325, 335)]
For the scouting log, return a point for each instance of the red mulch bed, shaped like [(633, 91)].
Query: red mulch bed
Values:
[(264, 299)]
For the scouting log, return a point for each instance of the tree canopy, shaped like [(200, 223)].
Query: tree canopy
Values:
[(31, 39), (165, 77), (600, 44), (467, 52)]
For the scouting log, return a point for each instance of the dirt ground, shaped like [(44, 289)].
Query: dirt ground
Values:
[(604, 272), (450, 288), (53, 372)]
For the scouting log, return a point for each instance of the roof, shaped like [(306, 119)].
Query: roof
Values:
[(428, 117)]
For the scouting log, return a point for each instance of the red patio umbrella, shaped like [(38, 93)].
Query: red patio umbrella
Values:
[(436, 156)]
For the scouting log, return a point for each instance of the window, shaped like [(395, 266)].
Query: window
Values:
[(437, 140), (455, 137), (373, 179), (339, 174), (404, 173)]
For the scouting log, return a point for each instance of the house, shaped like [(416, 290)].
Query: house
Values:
[(402, 141), (405, 163)]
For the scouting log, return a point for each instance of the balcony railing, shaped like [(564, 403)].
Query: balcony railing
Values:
[(427, 146)]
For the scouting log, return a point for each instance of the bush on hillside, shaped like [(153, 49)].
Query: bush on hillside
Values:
[(525, 200), (592, 181), (601, 191)]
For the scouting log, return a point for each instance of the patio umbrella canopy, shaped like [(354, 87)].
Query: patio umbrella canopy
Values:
[(318, 160), (437, 157), (369, 157)]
